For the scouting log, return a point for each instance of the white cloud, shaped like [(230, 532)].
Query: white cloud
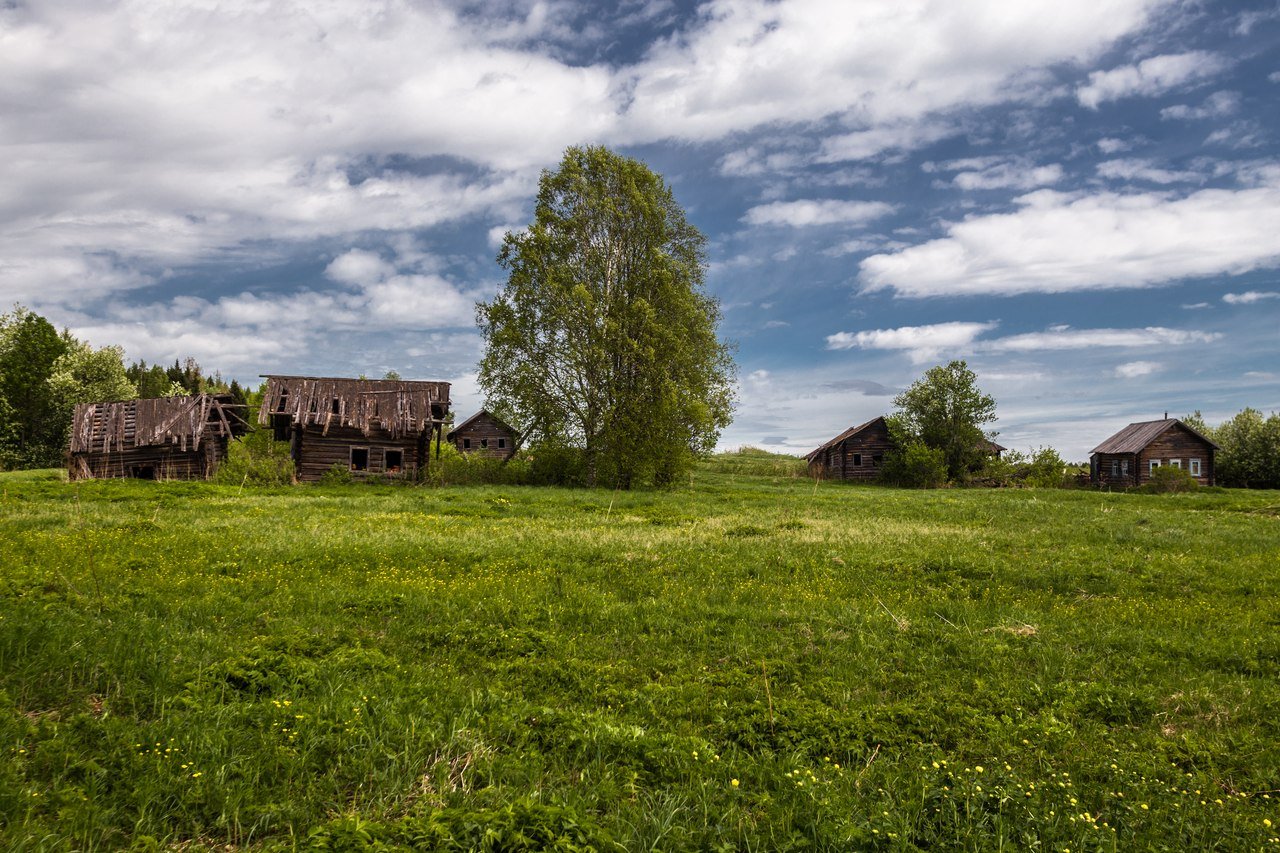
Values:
[(899, 136), (1129, 169), (1012, 175), (1134, 369), (1217, 105), (1064, 338), (807, 212), (1111, 145), (1151, 76), (1249, 297), (1058, 242), (922, 343)]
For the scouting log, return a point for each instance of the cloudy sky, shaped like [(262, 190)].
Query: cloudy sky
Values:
[(1082, 199)]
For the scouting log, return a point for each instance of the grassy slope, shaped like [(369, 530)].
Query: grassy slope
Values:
[(952, 669)]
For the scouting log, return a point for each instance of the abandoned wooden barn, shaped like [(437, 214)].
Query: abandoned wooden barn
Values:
[(858, 452), (370, 427), (1129, 457), (484, 434), (163, 438), (855, 454)]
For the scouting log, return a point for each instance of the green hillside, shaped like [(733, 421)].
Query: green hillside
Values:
[(749, 662)]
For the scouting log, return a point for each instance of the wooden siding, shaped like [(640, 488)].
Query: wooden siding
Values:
[(315, 452), (483, 435), (855, 457), (1115, 470), (155, 462), (1177, 443)]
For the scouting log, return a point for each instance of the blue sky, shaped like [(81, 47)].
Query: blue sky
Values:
[(1082, 199)]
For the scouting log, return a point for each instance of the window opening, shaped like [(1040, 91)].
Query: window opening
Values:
[(1195, 467), (1175, 463), (502, 443), (466, 444), (1155, 463), (336, 405), (359, 459), (394, 461), (877, 458), (484, 442), (857, 460)]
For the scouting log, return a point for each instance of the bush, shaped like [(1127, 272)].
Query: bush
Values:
[(916, 466), (551, 465), (257, 459), (337, 475), (1042, 469), (1169, 480), (454, 468)]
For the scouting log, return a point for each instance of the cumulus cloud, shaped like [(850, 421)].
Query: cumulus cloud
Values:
[(1249, 297), (1152, 76), (922, 343), (808, 212), (1217, 105), (1134, 369), (1059, 242)]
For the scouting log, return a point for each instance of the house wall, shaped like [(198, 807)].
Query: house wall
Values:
[(1102, 465), (854, 458), (485, 437), (1176, 443), (314, 452), (158, 462)]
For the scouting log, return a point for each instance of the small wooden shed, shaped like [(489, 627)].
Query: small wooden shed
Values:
[(1128, 457), (486, 435), (161, 438), (855, 454), (370, 427)]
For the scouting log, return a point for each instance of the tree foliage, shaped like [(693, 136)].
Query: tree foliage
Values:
[(946, 410), (32, 434), (603, 339), (1248, 453)]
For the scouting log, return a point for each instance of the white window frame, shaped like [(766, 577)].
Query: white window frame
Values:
[(1175, 463), (1193, 465), (1153, 465)]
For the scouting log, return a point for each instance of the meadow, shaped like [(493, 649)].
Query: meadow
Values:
[(751, 661)]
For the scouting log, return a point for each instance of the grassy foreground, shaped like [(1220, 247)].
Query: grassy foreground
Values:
[(751, 662)]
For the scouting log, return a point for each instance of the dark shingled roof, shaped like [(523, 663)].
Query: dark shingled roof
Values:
[(497, 420), (849, 433), (1135, 437)]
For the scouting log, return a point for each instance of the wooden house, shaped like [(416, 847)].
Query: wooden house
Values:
[(485, 435), (1130, 456), (858, 452), (163, 438), (370, 427), (855, 454)]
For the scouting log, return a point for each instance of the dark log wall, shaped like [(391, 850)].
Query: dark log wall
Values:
[(855, 457), (1178, 444), (485, 437), (1116, 470), (315, 453), (159, 462)]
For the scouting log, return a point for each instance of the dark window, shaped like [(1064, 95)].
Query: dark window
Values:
[(857, 460), (359, 459), (484, 442), (466, 444), (143, 472), (877, 458), (502, 442), (336, 405), (395, 461)]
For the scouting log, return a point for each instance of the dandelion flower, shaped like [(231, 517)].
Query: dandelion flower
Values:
[(733, 782)]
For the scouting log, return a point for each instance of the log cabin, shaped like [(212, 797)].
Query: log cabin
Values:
[(858, 452), (369, 427), (161, 438), (484, 434), (1130, 456), (855, 454)]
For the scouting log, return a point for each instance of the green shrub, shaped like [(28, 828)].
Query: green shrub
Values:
[(916, 466), (337, 475), (551, 465), (454, 468), (256, 460), (1169, 480)]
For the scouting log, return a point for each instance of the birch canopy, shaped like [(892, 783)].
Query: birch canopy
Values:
[(603, 339)]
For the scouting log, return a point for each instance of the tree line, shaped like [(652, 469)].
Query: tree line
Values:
[(44, 373)]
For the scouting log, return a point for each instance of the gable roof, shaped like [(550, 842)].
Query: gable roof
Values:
[(1135, 437), (844, 436), (181, 421), (399, 406), (482, 413)]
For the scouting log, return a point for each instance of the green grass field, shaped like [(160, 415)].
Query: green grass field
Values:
[(750, 662)]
